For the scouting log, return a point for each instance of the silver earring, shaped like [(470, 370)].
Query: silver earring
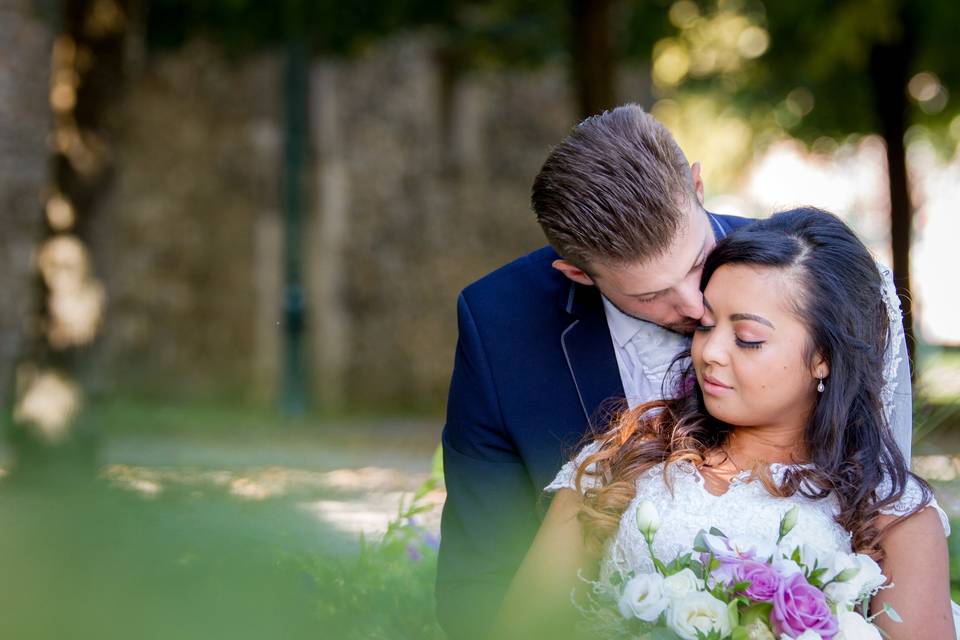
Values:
[(820, 386)]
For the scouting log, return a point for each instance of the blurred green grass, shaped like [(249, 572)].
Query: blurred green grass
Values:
[(87, 558)]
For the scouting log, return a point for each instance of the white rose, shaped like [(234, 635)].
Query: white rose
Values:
[(681, 583), (870, 577), (643, 597), (698, 611), (854, 627), (866, 578), (843, 594)]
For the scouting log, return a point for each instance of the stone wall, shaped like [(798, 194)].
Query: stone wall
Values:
[(416, 189)]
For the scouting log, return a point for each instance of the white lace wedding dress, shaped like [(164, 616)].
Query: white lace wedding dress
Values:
[(745, 509)]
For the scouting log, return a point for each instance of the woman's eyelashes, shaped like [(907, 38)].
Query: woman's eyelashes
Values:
[(743, 344), (748, 344)]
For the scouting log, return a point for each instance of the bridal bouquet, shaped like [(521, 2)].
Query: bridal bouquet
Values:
[(740, 588)]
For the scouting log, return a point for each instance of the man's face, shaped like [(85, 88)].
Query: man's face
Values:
[(665, 290)]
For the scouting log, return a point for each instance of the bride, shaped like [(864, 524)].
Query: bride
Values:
[(785, 407)]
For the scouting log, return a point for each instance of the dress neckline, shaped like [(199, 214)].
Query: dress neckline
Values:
[(741, 478)]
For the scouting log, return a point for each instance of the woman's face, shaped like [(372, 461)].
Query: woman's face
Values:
[(748, 352)]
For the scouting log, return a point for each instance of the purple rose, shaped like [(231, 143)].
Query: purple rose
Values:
[(764, 580), (798, 606)]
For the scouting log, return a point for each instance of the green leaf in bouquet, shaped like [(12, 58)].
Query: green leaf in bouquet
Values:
[(616, 579), (740, 633), (741, 586), (847, 575), (815, 575), (890, 611), (717, 532), (795, 556), (760, 611), (699, 544), (698, 570), (733, 610), (662, 569), (678, 564)]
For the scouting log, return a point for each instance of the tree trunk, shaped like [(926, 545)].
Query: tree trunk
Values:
[(26, 39), (593, 54), (890, 65)]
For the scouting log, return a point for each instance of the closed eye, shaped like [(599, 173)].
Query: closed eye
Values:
[(746, 344)]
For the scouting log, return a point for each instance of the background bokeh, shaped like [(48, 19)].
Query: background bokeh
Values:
[(232, 234)]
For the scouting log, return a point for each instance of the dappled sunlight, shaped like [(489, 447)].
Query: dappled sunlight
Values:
[(716, 137), (76, 300), (266, 482), (47, 403), (718, 43), (351, 501), (371, 514), (60, 213), (926, 88), (942, 468)]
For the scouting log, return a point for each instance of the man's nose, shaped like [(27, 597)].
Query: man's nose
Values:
[(689, 300)]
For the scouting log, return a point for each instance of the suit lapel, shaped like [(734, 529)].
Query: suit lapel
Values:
[(588, 348)]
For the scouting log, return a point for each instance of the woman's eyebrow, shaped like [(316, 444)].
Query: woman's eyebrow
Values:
[(751, 316), (742, 316)]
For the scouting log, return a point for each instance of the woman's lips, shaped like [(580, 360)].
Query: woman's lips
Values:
[(714, 386)]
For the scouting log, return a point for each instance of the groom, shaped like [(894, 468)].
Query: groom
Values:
[(546, 339)]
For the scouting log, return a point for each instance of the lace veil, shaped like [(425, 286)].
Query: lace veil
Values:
[(896, 394)]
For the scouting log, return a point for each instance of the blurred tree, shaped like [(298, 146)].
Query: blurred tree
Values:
[(26, 37), (827, 69), (594, 55), (78, 69)]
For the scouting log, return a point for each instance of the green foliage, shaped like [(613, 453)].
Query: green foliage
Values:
[(242, 26), (823, 48), (386, 590), (929, 416)]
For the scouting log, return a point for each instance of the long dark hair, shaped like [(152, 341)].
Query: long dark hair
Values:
[(847, 438)]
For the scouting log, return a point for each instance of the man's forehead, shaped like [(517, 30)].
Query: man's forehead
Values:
[(667, 269)]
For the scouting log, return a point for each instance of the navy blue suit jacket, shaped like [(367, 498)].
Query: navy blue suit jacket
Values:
[(534, 360)]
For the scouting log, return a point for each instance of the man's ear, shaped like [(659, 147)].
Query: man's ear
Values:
[(697, 181), (576, 274)]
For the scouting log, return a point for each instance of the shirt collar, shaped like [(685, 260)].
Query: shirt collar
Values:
[(622, 327)]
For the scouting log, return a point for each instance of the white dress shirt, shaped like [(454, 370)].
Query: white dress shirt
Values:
[(644, 353)]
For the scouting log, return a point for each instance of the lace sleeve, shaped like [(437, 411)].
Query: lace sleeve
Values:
[(911, 499), (567, 477)]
